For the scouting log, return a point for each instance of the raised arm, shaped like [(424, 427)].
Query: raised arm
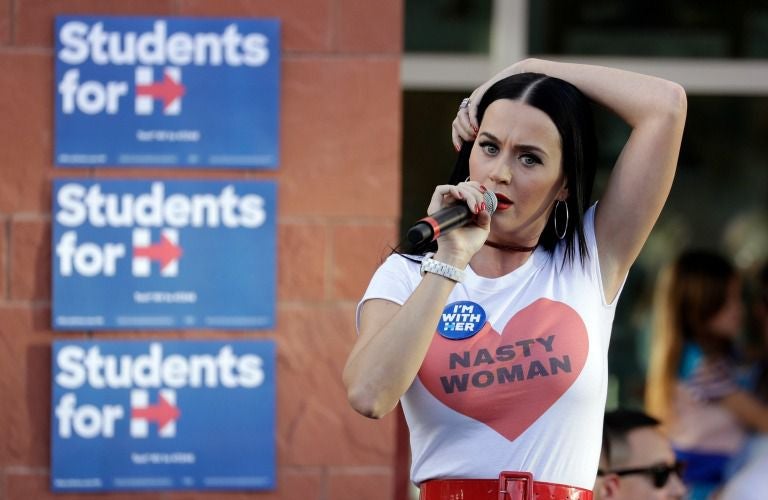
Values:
[(655, 109)]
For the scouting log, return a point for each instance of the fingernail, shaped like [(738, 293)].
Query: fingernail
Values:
[(483, 188), (457, 147), (477, 208), (482, 206), (475, 129)]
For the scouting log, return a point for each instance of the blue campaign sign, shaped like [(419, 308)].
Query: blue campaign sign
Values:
[(136, 415), (193, 92), (162, 254)]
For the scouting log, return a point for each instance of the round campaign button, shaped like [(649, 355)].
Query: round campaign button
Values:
[(461, 320)]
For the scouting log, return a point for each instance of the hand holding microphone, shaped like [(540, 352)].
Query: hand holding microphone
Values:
[(431, 227)]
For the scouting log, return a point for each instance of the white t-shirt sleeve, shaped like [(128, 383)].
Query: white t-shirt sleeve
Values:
[(394, 281), (594, 257)]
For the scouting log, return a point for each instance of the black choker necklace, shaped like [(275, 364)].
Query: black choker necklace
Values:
[(510, 248)]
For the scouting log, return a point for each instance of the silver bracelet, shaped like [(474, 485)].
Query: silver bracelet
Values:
[(429, 265)]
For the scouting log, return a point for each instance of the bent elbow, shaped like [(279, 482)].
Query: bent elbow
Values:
[(366, 404), (668, 112), (677, 100)]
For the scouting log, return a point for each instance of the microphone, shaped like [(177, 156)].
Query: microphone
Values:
[(442, 221)]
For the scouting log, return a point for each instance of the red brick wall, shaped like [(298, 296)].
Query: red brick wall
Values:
[(339, 188)]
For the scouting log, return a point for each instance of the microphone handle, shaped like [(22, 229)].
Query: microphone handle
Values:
[(429, 228)]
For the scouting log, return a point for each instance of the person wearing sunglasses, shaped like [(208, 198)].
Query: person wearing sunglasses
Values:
[(637, 461)]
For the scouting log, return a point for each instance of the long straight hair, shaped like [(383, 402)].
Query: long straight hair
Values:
[(688, 295)]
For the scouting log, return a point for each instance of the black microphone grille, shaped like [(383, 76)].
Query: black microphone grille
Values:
[(490, 202)]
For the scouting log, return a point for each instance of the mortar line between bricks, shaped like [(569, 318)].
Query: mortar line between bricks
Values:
[(360, 470), (12, 22), (324, 487), (30, 216), (293, 55), (332, 23), (7, 260), (23, 469), (34, 304), (329, 260)]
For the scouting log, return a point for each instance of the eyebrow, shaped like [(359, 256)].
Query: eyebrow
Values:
[(526, 147)]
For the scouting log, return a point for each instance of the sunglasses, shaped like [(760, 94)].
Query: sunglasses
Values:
[(658, 473)]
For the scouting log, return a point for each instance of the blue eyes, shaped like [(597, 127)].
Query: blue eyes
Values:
[(527, 159), (489, 148)]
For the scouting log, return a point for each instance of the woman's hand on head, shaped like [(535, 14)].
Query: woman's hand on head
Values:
[(465, 126), (462, 243), (461, 128)]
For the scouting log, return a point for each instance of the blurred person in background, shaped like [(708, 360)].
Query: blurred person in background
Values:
[(693, 385), (751, 478), (759, 318), (637, 461)]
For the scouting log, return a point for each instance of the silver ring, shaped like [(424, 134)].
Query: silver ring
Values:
[(464, 103)]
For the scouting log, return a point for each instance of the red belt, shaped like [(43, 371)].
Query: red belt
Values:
[(509, 486)]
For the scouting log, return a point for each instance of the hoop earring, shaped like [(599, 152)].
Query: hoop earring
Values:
[(467, 179), (560, 235)]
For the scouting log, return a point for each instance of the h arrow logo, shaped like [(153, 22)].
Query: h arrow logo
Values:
[(169, 90), (167, 252), (164, 413)]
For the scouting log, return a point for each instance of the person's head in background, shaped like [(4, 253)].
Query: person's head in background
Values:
[(637, 461), (698, 305), (760, 330)]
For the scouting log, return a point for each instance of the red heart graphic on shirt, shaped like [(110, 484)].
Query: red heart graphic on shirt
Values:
[(508, 381)]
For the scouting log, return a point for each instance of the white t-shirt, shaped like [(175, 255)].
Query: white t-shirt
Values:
[(530, 398), (749, 481)]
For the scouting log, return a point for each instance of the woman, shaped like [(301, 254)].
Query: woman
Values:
[(749, 480), (692, 378), (498, 352)]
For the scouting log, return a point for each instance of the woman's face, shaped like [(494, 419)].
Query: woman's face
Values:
[(517, 155), (727, 322)]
